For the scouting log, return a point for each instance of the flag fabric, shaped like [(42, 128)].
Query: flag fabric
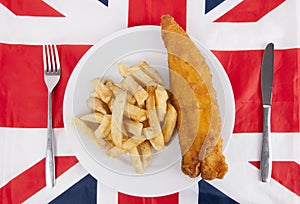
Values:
[(236, 31)]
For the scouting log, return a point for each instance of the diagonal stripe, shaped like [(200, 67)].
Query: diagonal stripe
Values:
[(150, 12), (20, 107), (286, 173), (30, 8), (243, 69), (126, 199), (29, 182), (209, 194), (84, 191), (249, 11)]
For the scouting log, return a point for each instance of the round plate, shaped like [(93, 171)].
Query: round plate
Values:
[(131, 46)]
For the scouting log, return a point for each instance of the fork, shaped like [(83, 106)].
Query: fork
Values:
[(51, 78)]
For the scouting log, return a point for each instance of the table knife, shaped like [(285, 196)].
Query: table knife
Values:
[(266, 87)]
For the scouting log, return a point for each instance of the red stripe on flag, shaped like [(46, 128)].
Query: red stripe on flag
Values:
[(249, 11), (243, 69), (286, 173), (32, 180), (149, 12), (23, 93), (126, 199), (30, 8)]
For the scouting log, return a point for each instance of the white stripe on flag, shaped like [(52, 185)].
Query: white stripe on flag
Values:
[(106, 194), (65, 181), (189, 195)]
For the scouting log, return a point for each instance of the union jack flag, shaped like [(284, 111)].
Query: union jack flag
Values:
[(236, 31)]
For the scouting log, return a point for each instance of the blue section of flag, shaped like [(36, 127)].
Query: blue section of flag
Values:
[(105, 2), (84, 191), (210, 195), (211, 4)]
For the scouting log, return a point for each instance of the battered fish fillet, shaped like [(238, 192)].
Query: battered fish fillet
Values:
[(199, 121)]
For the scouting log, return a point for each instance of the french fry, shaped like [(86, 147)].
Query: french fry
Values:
[(110, 104), (132, 142), (148, 132), (161, 97), (93, 94), (144, 108), (88, 131), (104, 128), (134, 128), (143, 66), (156, 139), (134, 112), (104, 93), (96, 104), (126, 146), (122, 69), (146, 153), (116, 90), (117, 118), (169, 123), (150, 71), (115, 152), (142, 78), (135, 89), (136, 160), (109, 84), (95, 117)]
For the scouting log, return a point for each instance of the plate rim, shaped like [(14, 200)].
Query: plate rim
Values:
[(69, 91)]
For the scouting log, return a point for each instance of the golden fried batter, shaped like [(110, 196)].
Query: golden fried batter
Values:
[(199, 122)]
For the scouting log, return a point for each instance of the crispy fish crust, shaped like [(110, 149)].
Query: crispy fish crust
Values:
[(199, 121)]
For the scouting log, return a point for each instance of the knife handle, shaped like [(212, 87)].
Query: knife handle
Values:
[(266, 152)]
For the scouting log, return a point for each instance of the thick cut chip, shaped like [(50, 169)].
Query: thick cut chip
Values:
[(134, 112), (161, 97), (88, 131), (126, 146), (150, 71), (96, 104), (135, 89), (103, 92), (117, 118), (92, 117), (116, 89), (146, 153), (142, 78), (136, 160), (169, 123), (133, 128), (143, 66), (104, 128), (157, 139)]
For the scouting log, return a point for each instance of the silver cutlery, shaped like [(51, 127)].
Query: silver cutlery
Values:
[(266, 87), (51, 78)]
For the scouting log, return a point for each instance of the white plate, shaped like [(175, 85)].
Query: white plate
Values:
[(163, 176)]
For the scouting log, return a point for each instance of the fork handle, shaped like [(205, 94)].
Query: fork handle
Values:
[(50, 163)]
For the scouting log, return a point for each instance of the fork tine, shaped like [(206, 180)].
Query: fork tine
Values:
[(44, 58), (57, 59), (53, 67), (49, 67)]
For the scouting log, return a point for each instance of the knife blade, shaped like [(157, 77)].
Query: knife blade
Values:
[(266, 88)]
